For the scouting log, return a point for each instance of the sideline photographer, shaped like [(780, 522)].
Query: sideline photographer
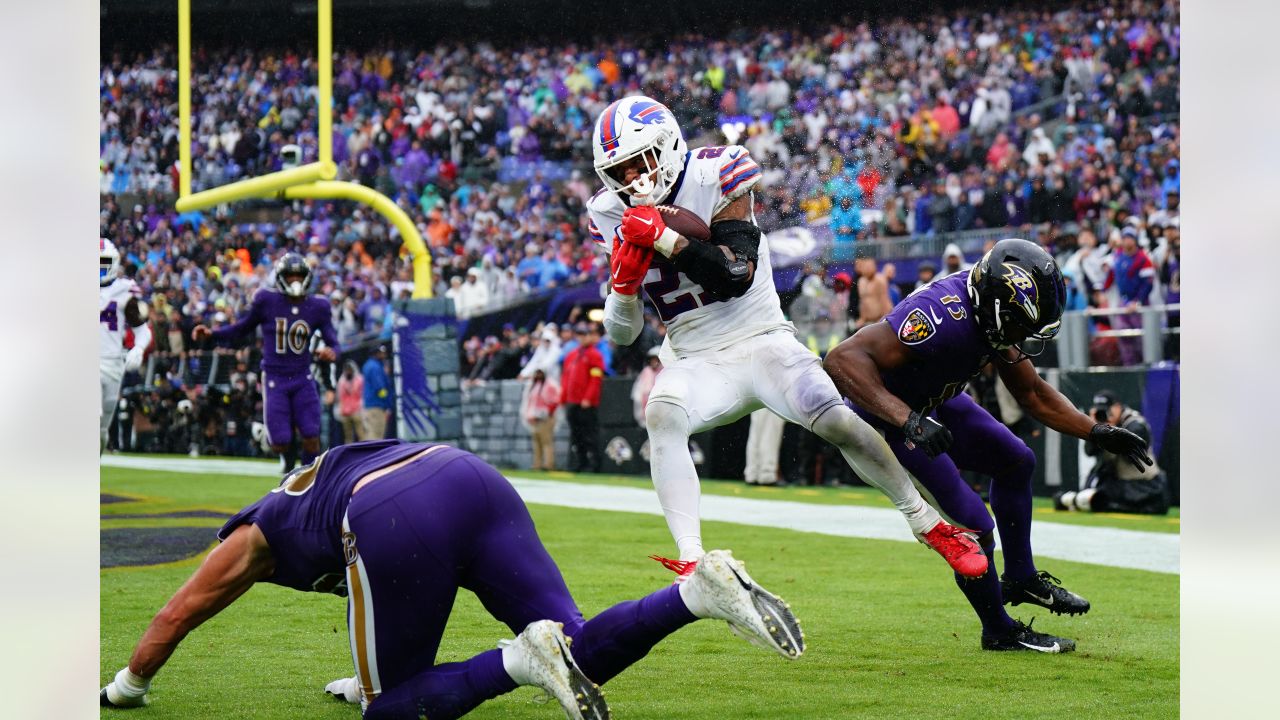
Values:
[(1115, 485)]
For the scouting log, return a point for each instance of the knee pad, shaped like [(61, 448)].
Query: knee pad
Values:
[(662, 417)]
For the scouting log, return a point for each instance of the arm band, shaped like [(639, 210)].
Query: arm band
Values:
[(707, 265), (742, 237)]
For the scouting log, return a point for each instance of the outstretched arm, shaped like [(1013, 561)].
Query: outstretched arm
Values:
[(1043, 400), (1052, 408), (226, 573)]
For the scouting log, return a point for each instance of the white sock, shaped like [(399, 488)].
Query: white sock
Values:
[(132, 685), (674, 476), (692, 599), (869, 455)]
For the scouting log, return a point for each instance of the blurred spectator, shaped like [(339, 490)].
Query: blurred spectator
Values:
[(953, 260), (873, 297), (546, 354), (925, 273), (846, 214), (541, 399), (351, 402), (643, 385), (1134, 275), (377, 395), (583, 374)]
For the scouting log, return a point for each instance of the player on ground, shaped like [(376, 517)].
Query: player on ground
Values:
[(120, 305), (906, 376), (398, 528), (729, 350), (289, 318)]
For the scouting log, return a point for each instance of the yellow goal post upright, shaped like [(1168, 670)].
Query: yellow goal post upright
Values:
[(311, 181)]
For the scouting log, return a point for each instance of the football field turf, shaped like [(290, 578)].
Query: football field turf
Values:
[(889, 634)]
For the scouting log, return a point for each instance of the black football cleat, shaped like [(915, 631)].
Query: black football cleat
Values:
[(1022, 638), (1046, 591)]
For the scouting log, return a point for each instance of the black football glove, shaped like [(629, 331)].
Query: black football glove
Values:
[(1122, 442), (927, 434)]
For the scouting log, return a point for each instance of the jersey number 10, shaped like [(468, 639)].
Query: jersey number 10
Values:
[(294, 338)]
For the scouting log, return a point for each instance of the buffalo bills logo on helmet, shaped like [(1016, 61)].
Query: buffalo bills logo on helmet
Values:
[(647, 112), (1022, 290)]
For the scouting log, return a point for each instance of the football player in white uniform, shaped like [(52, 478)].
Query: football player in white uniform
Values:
[(729, 350), (119, 305)]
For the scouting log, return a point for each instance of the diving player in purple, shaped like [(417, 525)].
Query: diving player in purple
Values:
[(906, 375), (289, 317), (397, 528)]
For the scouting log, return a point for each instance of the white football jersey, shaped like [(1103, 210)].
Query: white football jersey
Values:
[(712, 178), (111, 321)]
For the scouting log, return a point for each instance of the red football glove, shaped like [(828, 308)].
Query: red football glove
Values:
[(628, 264), (642, 226)]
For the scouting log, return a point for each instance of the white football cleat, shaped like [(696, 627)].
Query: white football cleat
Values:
[(720, 588), (540, 657), (345, 689)]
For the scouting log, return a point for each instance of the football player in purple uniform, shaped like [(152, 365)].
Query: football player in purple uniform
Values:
[(397, 528), (289, 317), (906, 375)]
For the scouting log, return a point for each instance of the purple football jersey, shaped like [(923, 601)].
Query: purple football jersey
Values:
[(287, 327), (949, 348), (302, 518)]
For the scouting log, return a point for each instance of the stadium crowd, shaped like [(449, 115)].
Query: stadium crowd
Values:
[(1065, 123)]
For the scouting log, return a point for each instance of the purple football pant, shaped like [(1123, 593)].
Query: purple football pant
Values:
[(982, 444), (290, 401), (434, 526)]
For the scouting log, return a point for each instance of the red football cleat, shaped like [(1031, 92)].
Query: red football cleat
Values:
[(684, 568), (959, 547)]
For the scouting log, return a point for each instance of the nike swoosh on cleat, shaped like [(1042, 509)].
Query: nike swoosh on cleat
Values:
[(1046, 600), (1053, 649), (745, 585)]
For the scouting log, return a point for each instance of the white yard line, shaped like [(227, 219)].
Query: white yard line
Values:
[(1158, 552)]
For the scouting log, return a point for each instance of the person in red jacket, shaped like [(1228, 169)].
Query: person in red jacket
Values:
[(580, 381)]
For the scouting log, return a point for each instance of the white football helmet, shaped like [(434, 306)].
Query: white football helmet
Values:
[(638, 126), (108, 262)]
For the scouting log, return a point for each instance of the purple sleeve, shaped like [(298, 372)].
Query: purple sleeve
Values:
[(244, 325), (918, 321)]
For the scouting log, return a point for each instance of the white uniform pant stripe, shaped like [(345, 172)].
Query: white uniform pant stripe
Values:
[(360, 627)]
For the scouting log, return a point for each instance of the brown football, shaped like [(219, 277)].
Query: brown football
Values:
[(685, 222)]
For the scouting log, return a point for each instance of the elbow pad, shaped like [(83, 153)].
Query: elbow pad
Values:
[(740, 236), (706, 265)]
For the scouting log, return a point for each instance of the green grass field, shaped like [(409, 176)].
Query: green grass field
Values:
[(889, 634)]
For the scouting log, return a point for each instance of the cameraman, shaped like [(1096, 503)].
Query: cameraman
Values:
[(1114, 485)]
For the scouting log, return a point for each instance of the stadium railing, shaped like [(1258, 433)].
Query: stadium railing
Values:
[(1075, 336)]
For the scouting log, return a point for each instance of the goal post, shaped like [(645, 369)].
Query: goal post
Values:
[(312, 181)]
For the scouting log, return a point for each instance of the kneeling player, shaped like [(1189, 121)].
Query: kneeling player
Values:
[(365, 519), (906, 375)]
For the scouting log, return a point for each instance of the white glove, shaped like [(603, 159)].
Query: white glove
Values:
[(347, 689), (126, 691), (133, 359)]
